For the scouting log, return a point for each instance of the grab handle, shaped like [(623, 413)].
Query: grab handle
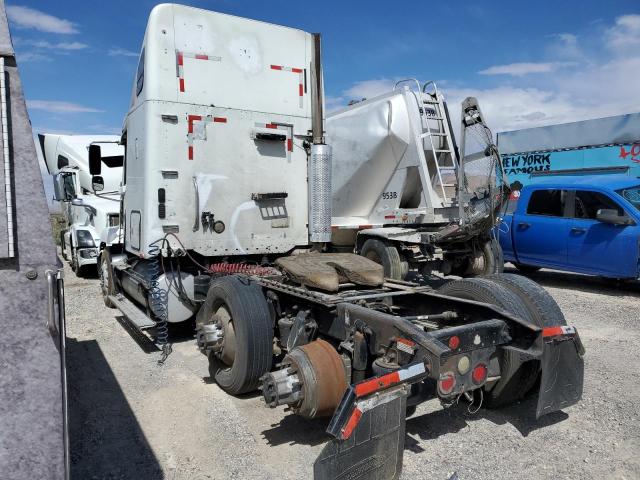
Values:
[(196, 223)]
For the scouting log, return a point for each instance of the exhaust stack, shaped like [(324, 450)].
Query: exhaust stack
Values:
[(320, 162)]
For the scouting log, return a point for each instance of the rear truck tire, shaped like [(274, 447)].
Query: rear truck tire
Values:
[(386, 255), (508, 389), (105, 274), (486, 259), (239, 305), (544, 310), (526, 268)]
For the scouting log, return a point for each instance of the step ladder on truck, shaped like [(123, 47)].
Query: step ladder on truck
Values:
[(404, 194), (227, 209)]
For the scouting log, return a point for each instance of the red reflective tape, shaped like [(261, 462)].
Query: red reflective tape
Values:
[(190, 153), (182, 84), (296, 70), (352, 423), (558, 331), (289, 144), (276, 67), (389, 217), (363, 227), (180, 59), (220, 119), (202, 57), (270, 125), (300, 90), (190, 120), (552, 331), (375, 384)]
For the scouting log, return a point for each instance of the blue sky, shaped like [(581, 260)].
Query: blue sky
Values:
[(529, 64)]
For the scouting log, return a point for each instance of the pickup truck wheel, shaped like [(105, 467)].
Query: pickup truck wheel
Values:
[(239, 306), (544, 310), (526, 268), (105, 274), (386, 255), (508, 388)]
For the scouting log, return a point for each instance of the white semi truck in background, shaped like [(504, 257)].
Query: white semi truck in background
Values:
[(88, 209), (227, 222), (405, 195)]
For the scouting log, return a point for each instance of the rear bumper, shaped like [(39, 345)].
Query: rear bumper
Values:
[(87, 256)]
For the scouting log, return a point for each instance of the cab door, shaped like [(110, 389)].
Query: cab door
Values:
[(541, 229), (600, 248)]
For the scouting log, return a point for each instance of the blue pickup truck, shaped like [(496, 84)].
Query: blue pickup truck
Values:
[(585, 223)]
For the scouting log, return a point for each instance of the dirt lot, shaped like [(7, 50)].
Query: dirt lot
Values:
[(130, 418)]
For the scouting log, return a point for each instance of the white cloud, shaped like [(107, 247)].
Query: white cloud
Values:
[(625, 34), (117, 51), (566, 46), (358, 91), (520, 69), (602, 81), (32, 57), (54, 106), (369, 88), (53, 46), (30, 18)]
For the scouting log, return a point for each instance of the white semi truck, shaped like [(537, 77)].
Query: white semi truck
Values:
[(404, 195), (227, 219), (88, 209)]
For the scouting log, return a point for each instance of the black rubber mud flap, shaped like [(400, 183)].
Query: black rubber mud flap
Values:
[(374, 450), (562, 375)]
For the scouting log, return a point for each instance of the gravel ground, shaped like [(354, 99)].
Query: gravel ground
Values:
[(130, 418)]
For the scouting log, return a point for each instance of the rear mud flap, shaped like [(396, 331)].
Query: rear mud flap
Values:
[(562, 375), (373, 451)]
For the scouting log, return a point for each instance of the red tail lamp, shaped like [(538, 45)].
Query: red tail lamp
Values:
[(479, 374), (446, 383), (454, 342)]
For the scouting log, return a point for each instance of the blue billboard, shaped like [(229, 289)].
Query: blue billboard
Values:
[(521, 166)]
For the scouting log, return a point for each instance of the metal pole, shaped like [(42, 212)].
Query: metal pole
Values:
[(317, 126)]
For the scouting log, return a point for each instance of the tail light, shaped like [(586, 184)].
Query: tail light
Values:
[(454, 342), (446, 383), (479, 374)]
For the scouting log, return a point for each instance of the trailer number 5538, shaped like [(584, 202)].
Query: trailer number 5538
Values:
[(389, 195)]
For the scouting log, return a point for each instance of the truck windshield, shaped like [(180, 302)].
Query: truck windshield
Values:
[(632, 195)]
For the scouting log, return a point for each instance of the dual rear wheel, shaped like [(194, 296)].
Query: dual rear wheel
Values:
[(525, 299), (239, 307)]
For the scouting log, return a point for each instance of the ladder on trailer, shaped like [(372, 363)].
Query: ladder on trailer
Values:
[(445, 159)]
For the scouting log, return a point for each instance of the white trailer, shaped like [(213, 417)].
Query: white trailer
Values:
[(88, 209), (227, 216), (401, 194)]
